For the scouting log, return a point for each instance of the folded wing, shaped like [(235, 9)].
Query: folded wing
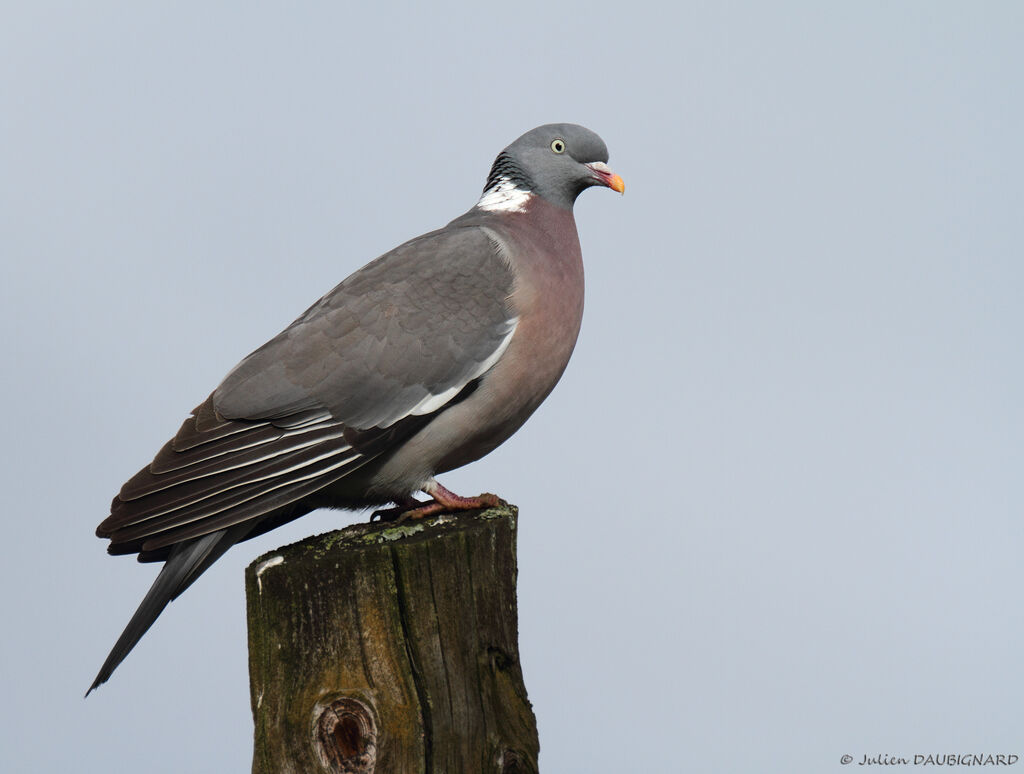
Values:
[(370, 363)]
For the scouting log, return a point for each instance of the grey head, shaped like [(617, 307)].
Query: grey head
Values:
[(554, 161)]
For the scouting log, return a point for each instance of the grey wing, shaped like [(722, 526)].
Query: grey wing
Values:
[(395, 341), (400, 337)]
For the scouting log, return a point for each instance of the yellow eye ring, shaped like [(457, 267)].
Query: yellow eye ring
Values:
[(558, 146)]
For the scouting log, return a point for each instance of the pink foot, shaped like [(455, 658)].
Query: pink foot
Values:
[(444, 501)]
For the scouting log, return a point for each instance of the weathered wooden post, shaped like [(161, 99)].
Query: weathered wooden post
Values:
[(391, 649)]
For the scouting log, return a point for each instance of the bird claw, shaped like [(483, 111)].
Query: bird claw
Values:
[(395, 515)]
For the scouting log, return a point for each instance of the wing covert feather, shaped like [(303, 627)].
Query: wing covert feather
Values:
[(399, 337)]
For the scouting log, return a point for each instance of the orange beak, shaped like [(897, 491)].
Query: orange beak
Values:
[(606, 177)]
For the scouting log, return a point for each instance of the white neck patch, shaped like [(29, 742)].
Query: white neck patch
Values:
[(504, 196)]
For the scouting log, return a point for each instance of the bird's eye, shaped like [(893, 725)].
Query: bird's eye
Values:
[(558, 146)]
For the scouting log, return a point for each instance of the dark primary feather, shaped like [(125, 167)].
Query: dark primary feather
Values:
[(233, 478)]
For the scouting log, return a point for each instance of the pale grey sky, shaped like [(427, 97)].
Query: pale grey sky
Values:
[(771, 515)]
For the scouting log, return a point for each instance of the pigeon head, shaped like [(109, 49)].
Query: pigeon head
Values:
[(555, 161)]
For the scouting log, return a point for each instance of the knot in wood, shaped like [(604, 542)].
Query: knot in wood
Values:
[(346, 737), (514, 762)]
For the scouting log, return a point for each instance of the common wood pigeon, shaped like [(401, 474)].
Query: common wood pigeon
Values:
[(422, 361)]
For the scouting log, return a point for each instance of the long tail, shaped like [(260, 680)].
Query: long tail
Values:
[(186, 562)]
